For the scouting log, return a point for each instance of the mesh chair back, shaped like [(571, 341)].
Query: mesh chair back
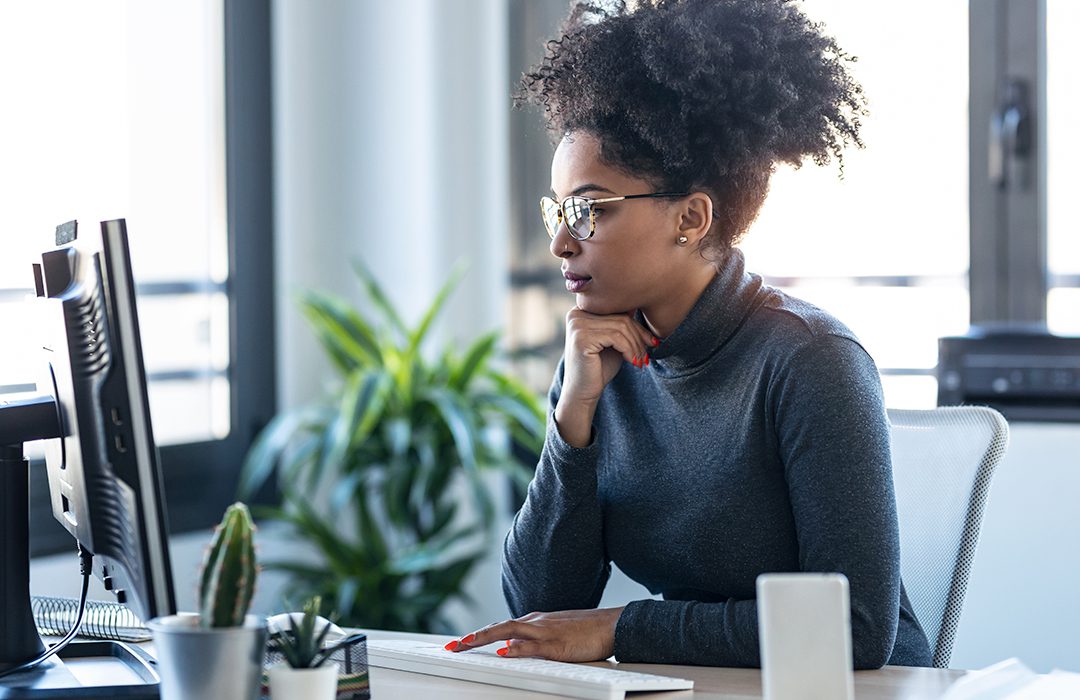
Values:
[(943, 460)]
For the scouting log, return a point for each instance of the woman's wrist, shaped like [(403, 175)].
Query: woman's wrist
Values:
[(573, 420)]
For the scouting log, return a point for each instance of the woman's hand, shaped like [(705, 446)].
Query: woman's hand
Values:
[(567, 635), (595, 349)]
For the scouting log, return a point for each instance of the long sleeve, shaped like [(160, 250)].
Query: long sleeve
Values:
[(826, 412), (553, 556), (834, 437)]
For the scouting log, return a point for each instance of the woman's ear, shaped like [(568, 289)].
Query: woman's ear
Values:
[(695, 219)]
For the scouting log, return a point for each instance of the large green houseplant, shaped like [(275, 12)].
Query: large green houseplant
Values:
[(373, 476)]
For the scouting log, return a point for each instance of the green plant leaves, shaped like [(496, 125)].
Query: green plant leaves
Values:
[(458, 417), (379, 298), (475, 358), (384, 478), (417, 335), (346, 337), (301, 644), (360, 409), (275, 449)]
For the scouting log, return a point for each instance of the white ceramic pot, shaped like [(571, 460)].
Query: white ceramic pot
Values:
[(221, 663), (288, 683)]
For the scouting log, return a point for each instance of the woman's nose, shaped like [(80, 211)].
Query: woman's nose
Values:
[(563, 245)]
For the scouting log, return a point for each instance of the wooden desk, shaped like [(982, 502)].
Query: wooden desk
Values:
[(890, 683)]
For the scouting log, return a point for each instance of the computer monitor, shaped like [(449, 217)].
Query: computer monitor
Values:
[(104, 474)]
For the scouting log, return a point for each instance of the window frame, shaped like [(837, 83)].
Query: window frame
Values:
[(1008, 279), (201, 478)]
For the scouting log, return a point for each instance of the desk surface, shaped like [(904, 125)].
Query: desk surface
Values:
[(890, 683)]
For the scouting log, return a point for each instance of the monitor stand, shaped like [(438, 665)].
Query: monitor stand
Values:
[(98, 669), (20, 421), (20, 640)]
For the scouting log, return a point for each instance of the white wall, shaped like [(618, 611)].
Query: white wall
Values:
[(1024, 596), (390, 128)]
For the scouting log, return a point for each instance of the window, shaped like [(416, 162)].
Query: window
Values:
[(1063, 206), (93, 141), (157, 113), (889, 248), (896, 225)]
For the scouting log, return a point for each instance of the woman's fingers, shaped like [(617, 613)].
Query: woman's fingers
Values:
[(591, 334), (516, 648), (596, 348), (650, 340), (498, 632), (567, 635), (620, 339)]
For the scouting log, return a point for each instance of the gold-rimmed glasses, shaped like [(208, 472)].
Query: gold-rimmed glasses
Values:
[(579, 213)]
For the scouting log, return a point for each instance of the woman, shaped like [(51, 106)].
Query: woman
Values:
[(704, 427)]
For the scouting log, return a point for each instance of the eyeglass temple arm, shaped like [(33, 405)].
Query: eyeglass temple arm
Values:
[(637, 196)]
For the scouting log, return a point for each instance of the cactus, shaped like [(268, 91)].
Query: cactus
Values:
[(228, 576)]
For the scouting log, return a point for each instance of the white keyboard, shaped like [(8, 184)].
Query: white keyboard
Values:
[(485, 666)]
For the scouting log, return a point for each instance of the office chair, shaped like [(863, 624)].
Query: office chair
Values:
[(943, 460)]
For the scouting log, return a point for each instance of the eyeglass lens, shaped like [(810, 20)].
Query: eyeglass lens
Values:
[(576, 211), (549, 209)]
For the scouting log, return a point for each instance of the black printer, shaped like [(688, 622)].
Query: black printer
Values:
[(1026, 373)]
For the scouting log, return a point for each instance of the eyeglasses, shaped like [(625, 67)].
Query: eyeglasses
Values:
[(579, 213)]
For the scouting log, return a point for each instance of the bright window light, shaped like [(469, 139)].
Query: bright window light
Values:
[(1063, 206), (115, 109), (885, 249)]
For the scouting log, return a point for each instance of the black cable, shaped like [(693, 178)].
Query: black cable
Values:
[(85, 567)]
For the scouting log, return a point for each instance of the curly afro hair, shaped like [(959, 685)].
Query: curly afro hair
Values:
[(700, 95)]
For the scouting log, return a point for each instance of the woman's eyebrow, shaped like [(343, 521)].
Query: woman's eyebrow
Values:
[(588, 187)]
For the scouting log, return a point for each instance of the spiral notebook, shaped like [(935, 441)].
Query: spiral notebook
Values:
[(103, 620)]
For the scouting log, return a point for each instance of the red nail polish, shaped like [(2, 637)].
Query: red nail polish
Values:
[(634, 361), (451, 646), (647, 360), (503, 651), (655, 342), (469, 638)]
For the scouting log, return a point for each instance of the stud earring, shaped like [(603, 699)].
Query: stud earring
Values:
[(681, 240)]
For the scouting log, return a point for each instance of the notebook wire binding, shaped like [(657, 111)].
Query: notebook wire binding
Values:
[(104, 619)]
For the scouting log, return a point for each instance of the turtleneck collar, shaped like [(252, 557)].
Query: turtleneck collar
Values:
[(713, 318)]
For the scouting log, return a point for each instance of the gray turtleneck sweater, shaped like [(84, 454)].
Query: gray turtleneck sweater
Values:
[(755, 441)]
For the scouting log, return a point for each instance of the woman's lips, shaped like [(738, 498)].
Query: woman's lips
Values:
[(575, 283)]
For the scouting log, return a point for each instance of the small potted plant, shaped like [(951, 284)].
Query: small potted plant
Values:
[(217, 652), (305, 675)]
